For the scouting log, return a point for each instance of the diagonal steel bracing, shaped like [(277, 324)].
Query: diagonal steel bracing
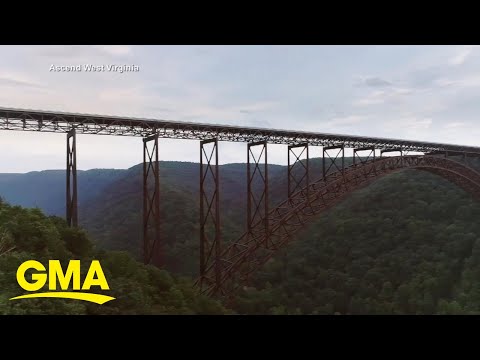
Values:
[(72, 200), (362, 156), (152, 247), (257, 187), (210, 237), (333, 159), (298, 168)]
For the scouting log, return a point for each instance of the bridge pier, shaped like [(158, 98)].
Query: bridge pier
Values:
[(295, 183), (72, 202), (257, 204), (210, 239), (151, 202), (333, 160)]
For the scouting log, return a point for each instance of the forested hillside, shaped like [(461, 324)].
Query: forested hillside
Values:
[(27, 234), (114, 218), (46, 189), (407, 244)]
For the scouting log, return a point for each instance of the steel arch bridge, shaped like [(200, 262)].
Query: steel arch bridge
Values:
[(255, 247), (225, 267)]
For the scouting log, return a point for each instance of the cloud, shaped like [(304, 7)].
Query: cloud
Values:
[(390, 95), (348, 120), (115, 50), (469, 81), (344, 121), (159, 109), (227, 114), (373, 82), (410, 124), (459, 82), (461, 56), (6, 81), (257, 107), (444, 82), (454, 125), (416, 124), (65, 51), (375, 97), (81, 52)]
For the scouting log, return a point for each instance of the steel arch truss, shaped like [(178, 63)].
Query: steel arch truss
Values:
[(243, 257), (210, 240), (152, 247)]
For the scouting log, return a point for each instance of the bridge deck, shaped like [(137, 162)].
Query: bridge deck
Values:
[(53, 121)]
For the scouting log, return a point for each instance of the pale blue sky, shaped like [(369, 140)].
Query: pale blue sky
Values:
[(413, 92)]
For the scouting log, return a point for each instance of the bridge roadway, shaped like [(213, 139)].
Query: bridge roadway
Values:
[(63, 122)]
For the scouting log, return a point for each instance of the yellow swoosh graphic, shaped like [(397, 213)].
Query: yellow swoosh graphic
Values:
[(95, 298)]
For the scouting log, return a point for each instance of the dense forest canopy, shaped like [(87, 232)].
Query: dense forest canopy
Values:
[(407, 244), (27, 234)]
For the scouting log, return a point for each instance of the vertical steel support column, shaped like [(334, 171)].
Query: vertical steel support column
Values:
[(152, 249), (304, 178), (259, 202), (333, 160), (72, 203), (210, 239)]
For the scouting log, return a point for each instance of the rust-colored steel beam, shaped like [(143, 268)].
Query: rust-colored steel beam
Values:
[(298, 171), (61, 122), (257, 199), (152, 247), (333, 165), (210, 236), (72, 201), (246, 255)]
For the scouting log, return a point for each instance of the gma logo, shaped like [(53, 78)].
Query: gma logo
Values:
[(95, 277)]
